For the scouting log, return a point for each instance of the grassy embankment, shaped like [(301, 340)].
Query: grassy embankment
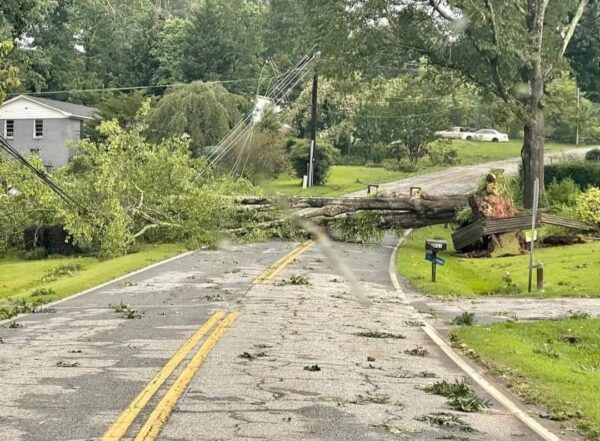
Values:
[(569, 271), (19, 279), (554, 363), (347, 179)]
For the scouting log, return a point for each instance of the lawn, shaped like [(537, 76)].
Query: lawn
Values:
[(554, 363), (19, 278), (569, 271), (345, 179), (342, 179)]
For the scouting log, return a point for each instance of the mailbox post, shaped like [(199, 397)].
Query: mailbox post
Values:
[(433, 247)]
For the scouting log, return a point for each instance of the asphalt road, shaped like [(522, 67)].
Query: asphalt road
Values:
[(70, 372)]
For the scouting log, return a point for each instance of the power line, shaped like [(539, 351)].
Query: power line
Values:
[(127, 88)]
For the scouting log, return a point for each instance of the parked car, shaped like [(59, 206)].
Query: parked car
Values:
[(456, 133), (489, 135)]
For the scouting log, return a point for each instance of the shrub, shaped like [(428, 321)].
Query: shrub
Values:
[(584, 174), (562, 194), (593, 155), (36, 254), (325, 157), (440, 154), (588, 206), (402, 165)]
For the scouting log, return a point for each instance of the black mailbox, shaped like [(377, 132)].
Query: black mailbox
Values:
[(436, 245)]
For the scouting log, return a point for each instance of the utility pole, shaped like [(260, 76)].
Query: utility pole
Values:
[(578, 102), (313, 137)]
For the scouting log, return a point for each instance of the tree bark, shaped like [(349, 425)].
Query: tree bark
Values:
[(532, 152)]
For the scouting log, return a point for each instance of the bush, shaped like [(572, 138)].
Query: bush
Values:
[(562, 194), (36, 254), (443, 155), (584, 174), (403, 165), (593, 155), (588, 206), (325, 157)]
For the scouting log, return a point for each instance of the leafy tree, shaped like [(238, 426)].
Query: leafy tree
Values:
[(9, 74), (584, 51), (509, 49), (221, 40), (169, 50), (562, 114), (206, 112), (325, 156)]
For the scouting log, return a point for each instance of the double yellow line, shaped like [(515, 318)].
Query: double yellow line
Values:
[(271, 272), (159, 416)]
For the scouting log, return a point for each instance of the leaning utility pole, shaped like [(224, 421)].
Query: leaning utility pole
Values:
[(313, 137)]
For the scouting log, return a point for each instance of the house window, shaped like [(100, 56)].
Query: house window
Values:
[(9, 129), (38, 128), (48, 168), (34, 151)]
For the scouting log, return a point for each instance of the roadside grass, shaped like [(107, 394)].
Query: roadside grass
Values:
[(21, 280), (570, 271), (342, 179), (553, 363), (345, 179)]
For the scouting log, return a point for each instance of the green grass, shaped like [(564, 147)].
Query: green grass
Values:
[(345, 179), (570, 271), (19, 278), (545, 367), (342, 179)]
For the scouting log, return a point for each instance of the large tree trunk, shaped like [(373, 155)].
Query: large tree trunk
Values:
[(532, 152)]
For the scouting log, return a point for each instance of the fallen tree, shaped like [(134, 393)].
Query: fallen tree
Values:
[(386, 211)]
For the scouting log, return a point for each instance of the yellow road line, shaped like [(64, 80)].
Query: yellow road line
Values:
[(271, 272), (120, 427), (157, 419)]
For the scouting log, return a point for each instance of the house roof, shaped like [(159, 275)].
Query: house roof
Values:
[(69, 109)]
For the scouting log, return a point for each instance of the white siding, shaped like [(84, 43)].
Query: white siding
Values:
[(22, 108)]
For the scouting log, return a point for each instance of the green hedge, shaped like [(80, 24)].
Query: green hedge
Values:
[(585, 174)]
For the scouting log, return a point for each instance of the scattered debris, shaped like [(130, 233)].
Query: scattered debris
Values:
[(313, 368), (249, 356), (287, 419), (294, 280), (132, 314), (15, 325), (418, 351), (39, 292), (465, 319), (547, 350), (460, 396), (76, 351), (579, 315), (61, 271), (118, 307), (427, 374), (414, 323), (1, 341), (369, 358), (378, 334), (446, 420), (127, 284), (371, 399), (67, 364)]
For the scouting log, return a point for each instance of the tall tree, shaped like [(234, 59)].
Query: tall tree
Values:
[(584, 51), (220, 41), (507, 48)]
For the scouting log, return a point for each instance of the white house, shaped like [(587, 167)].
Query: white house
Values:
[(43, 126)]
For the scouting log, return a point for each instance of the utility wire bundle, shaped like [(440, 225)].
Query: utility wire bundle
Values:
[(276, 95), (8, 148)]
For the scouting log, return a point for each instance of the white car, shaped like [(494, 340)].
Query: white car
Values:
[(456, 133), (489, 135)]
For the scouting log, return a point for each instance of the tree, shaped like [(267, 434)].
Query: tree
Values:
[(584, 51), (509, 49), (206, 112), (220, 41)]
